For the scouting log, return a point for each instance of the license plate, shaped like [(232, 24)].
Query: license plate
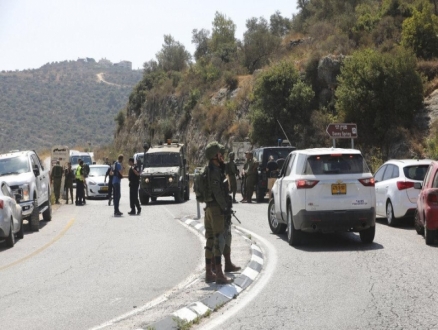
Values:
[(158, 189), (339, 189), (105, 188)]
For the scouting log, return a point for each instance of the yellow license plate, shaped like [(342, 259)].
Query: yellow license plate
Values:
[(105, 188), (339, 189)]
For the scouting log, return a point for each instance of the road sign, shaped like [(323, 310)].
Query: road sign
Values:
[(342, 131)]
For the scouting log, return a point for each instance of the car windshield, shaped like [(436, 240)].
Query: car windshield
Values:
[(98, 171), (277, 153), (75, 159), (162, 159), (14, 165), (416, 172), (336, 164)]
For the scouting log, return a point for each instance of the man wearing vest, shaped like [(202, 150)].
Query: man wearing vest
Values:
[(55, 179), (116, 185), (134, 182), (79, 175), (69, 177), (216, 209)]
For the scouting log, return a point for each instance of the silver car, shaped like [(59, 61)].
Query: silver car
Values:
[(11, 221)]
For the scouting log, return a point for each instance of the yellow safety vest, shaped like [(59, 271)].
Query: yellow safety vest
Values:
[(78, 173)]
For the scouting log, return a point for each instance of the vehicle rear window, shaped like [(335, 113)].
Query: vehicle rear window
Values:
[(336, 164), (416, 172)]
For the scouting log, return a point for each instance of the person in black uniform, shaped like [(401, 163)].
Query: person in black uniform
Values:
[(79, 175), (110, 173), (134, 182)]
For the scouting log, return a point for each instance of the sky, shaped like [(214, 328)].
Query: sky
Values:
[(37, 32)]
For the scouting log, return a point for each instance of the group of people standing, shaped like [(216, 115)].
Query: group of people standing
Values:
[(70, 176)]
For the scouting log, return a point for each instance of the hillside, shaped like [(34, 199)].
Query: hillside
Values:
[(62, 103), (363, 61)]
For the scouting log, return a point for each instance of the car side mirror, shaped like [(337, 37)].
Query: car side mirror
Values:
[(36, 170), (18, 198), (418, 185)]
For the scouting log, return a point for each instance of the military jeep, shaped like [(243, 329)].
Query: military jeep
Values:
[(165, 173)]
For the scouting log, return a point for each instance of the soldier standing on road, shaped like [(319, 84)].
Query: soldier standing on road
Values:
[(134, 182), (231, 171), (215, 212), (110, 173), (79, 175), (229, 266), (117, 178), (55, 179), (69, 177), (250, 172)]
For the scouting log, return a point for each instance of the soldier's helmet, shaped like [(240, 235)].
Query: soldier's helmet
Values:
[(212, 149), (222, 149), (231, 155)]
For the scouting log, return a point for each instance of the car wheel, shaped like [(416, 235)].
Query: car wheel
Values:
[(390, 214), (35, 217), (144, 199), (367, 235), (47, 214), (20, 233), (418, 226), (154, 199), (10, 240), (293, 235), (260, 195), (274, 224), (179, 196), (429, 235)]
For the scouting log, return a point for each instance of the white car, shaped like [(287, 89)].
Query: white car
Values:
[(95, 187), (396, 196), (11, 221), (323, 190)]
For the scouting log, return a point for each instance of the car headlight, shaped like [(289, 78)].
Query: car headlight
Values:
[(170, 179), (146, 180), (25, 192)]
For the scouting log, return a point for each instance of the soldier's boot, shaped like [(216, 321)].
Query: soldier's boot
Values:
[(220, 277), (209, 275), (229, 266)]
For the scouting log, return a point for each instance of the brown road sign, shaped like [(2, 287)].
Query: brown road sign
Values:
[(342, 131)]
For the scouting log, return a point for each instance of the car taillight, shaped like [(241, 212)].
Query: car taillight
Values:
[(369, 182), (432, 198), (401, 185), (1, 204), (304, 184)]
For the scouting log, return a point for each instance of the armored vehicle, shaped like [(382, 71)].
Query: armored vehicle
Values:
[(165, 173)]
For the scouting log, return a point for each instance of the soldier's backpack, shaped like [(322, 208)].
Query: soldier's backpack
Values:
[(200, 185)]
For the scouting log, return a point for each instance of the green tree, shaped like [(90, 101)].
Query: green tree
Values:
[(173, 55), (420, 32), (280, 95), (379, 92), (223, 41), (258, 43), (201, 39), (279, 25)]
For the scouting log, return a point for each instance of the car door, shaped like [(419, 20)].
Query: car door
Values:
[(276, 191), (285, 184), (379, 187), (41, 181), (427, 184)]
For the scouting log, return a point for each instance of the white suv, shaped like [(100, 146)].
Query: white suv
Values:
[(396, 196), (323, 190)]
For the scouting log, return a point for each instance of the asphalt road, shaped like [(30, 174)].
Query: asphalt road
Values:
[(335, 282), (85, 266)]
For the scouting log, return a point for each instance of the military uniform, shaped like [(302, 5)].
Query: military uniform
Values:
[(69, 177), (250, 168), (214, 220), (56, 177), (231, 172)]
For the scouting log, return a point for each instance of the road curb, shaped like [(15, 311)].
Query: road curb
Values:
[(220, 297)]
